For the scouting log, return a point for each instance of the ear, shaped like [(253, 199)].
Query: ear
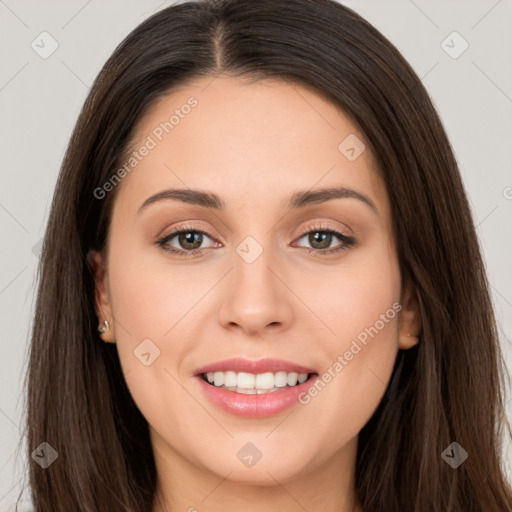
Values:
[(101, 295), (410, 319)]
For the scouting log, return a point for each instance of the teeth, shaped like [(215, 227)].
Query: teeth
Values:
[(245, 380), (303, 377), (230, 379), (280, 379), (264, 381), (292, 377), (249, 383), (218, 378)]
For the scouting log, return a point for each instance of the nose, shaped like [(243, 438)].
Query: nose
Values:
[(256, 296)]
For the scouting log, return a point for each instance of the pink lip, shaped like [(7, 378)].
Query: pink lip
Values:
[(255, 406), (261, 366)]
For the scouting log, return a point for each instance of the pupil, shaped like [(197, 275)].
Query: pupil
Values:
[(322, 237), (188, 238)]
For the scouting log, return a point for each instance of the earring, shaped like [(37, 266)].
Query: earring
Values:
[(103, 330)]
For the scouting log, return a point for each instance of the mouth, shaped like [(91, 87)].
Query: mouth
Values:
[(254, 389), (255, 384)]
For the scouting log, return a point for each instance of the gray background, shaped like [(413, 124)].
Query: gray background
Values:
[(40, 100)]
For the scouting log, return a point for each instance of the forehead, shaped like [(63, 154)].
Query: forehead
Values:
[(247, 141)]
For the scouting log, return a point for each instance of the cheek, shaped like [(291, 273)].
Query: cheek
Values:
[(360, 294), (363, 314), (157, 310), (149, 312), (150, 296)]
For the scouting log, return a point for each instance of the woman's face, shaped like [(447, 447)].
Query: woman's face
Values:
[(271, 266)]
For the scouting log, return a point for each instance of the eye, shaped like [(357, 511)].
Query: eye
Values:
[(189, 238), (321, 237)]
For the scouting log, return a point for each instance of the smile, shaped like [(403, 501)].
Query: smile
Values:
[(249, 383), (254, 389)]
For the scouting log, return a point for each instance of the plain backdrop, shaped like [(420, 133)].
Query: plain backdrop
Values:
[(40, 99)]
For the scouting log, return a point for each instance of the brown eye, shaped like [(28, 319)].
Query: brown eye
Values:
[(184, 242), (190, 239), (320, 240)]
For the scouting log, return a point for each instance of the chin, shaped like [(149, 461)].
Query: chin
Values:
[(247, 465)]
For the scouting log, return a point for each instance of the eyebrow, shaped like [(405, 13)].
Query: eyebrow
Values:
[(298, 199)]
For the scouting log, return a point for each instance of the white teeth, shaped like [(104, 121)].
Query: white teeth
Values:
[(245, 380), (251, 391), (230, 379), (280, 379), (291, 380), (218, 378), (249, 383), (265, 380), (303, 377)]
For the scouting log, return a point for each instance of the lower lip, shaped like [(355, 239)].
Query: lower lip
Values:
[(255, 406)]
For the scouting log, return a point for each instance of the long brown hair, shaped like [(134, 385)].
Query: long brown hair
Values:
[(449, 388)]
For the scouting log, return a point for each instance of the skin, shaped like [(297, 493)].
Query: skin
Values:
[(254, 145)]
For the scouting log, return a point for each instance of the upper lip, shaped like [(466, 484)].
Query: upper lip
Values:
[(250, 366)]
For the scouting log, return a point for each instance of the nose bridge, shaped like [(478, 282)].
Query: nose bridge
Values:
[(255, 297), (254, 281), (252, 266)]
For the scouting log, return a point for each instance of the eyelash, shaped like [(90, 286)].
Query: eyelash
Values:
[(346, 240)]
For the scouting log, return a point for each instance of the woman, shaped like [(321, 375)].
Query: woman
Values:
[(260, 285)]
